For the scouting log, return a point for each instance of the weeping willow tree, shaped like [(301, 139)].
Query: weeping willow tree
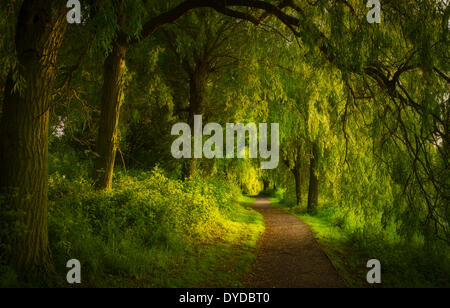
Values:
[(394, 124), (128, 24), (309, 114), (200, 49), (397, 69)]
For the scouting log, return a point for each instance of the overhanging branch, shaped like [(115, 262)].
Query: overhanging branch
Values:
[(221, 6)]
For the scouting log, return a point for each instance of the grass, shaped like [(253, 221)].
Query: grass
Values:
[(150, 231), (222, 261), (225, 262), (405, 264)]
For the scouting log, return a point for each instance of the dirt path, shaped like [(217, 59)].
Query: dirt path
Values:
[(288, 255)]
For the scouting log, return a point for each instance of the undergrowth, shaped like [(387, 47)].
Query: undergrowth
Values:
[(150, 231), (406, 263)]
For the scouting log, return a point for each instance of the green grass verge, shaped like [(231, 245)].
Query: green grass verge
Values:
[(150, 231), (220, 263), (226, 262), (404, 264)]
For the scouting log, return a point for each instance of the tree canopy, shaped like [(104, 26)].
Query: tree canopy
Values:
[(363, 110)]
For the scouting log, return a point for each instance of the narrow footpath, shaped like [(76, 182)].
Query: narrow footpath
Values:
[(288, 254)]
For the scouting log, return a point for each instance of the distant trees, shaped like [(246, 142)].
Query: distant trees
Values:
[(305, 115), (200, 46), (122, 39), (313, 192)]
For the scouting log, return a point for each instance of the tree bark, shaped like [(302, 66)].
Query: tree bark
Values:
[(112, 95), (197, 86), (296, 171), (24, 133), (313, 195), (298, 184)]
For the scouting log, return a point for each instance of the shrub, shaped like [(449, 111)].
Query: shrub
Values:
[(146, 225)]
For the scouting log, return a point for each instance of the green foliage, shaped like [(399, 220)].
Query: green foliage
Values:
[(405, 263), (9, 226), (148, 229), (373, 98)]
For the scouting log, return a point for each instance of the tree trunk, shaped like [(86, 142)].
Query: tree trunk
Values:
[(112, 95), (298, 175), (313, 195), (298, 184), (24, 133), (446, 137), (197, 86)]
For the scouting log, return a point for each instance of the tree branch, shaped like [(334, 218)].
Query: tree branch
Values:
[(221, 6)]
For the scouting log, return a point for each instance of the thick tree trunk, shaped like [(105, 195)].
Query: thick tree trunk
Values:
[(313, 195), (112, 95), (197, 86), (446, 137), (24, 133)]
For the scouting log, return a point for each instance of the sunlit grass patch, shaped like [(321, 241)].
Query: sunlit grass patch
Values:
[(408, 264), (150, 231)]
